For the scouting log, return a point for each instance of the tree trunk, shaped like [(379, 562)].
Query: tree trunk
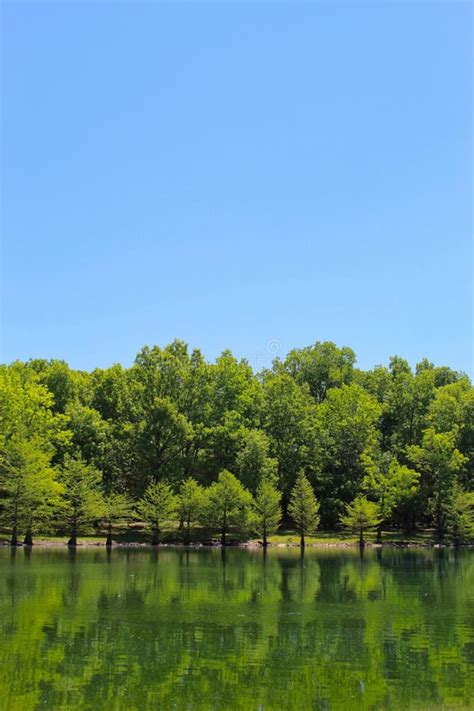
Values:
[(224, 530), (155, 541), (109, 541), (439, 521), (439, 527), (28, 540), (456, 536), (379, 533), (187, 535), (265, 542), (361, 538), (14, 538), (302, 543), (72, 542)]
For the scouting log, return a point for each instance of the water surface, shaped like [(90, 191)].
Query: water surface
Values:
[(208, 629)]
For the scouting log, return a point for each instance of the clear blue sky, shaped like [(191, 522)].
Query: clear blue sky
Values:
[(256, 176)]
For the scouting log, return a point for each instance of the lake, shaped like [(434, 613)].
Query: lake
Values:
[(236, 629)]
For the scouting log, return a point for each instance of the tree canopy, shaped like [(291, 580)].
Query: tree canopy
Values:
[(72, 440)]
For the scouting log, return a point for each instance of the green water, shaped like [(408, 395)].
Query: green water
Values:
[(176, 629)]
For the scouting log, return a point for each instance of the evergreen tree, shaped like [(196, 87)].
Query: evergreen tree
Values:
[(361, 515), (227, 505), (303, 507), (29, 488), (115, 508), (190, 503), (460, 516), (157, 506), (82, 498), (267, 508)]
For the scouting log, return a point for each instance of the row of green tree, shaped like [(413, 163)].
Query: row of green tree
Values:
[(398, 442)]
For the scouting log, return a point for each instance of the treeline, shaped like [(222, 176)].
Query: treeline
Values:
[(314, 439)]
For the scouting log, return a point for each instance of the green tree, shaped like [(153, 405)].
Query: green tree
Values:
[(439, 461), (82, 498), (360, 516), (160, 436), (303, 507), (189, 505), (26, 411), (30, 435), (116, 508), (453, 407), (65, 384), (390, 483), (227, 505), (460, 516), (29, 489), (90, 435), (267, 508), (405, 405), (157, 506), (253, 461), (322, 366), (288, 420), (347, 430), (235, 388)]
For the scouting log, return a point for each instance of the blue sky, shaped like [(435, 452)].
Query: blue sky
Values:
[(257, 176)]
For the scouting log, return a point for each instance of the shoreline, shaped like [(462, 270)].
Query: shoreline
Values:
[(44, 543)]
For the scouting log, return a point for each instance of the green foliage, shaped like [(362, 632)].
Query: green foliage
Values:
[(360, 516), (289, 414), (189, 505), (29, 489), (253, 461), (391, 484), (320, 367), (82, 502), (460, 516), (303, 507), (404, 437), (267, 508), (439, 461), (227, 506), (116, 508), (156, 507), (346, 425)]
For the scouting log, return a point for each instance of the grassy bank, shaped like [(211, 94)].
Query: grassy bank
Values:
[(285, 537)]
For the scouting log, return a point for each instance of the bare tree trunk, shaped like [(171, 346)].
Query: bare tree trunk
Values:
[(28, 540), (72, 542)]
